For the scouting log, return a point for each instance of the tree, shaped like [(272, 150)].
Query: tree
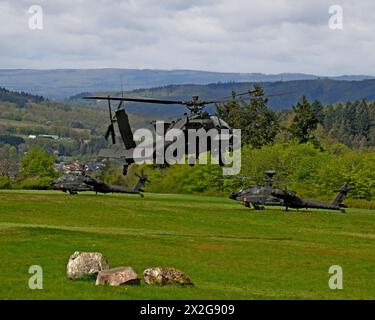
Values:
[(5, 164), (258, 123), (36, 163), (265, 124), (351, 123), (304, 121), (318, 110)]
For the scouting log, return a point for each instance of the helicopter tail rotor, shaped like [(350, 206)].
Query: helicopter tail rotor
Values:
[(111, 132), (142, 176), (111, 128)]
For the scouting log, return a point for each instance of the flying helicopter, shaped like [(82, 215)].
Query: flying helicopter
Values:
[(80, 182), (196, 119), (267, 194)]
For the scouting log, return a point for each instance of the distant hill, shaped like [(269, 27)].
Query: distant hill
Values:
[(326, 90), (62, 83), (19, 98)]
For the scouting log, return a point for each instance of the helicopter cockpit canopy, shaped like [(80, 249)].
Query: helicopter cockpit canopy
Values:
[(220, 123)]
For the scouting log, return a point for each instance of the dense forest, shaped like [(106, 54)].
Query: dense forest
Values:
[(352, 123), (19, 98)]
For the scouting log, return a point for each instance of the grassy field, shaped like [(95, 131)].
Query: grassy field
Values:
[(230, 252)]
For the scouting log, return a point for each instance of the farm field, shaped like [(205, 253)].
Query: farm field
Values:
[(230, 252)]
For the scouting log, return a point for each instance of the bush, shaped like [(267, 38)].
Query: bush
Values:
[(37, 183), (5, 183), (36, 163), (360, 203), (310, 172)]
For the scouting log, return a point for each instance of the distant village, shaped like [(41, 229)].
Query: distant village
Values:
[(95, 167)]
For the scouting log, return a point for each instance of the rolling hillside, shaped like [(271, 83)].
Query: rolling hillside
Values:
[(325, 90), (62, 83)]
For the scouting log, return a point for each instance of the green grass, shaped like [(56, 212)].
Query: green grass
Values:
[(230, 252)]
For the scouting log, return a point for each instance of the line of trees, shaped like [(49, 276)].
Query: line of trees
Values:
[(351, 123), (19, 98), (303, 168)]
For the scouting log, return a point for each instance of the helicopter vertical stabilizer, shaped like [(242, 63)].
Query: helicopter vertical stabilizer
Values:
[(141, 182), (341, 194)]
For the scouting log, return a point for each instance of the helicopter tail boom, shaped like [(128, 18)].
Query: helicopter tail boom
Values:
[(124, 128)]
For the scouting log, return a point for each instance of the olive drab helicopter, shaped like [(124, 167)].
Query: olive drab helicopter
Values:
[(259, 196), (196, 119), (80, 182)]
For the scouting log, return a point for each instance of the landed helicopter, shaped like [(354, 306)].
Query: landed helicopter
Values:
[(74, 183), (196, 119), (259, 196)]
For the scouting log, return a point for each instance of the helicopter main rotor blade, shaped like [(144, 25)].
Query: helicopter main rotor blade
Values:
[(156, 101), (225, 99), (268, 95), (144, 100)]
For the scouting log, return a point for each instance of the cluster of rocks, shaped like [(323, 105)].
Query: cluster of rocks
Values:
[(94, 264)]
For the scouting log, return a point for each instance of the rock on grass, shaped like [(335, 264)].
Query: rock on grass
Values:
[(164, 276), (85, 264), (118, 276)]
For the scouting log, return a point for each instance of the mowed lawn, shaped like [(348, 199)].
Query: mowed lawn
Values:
[(229, 252)]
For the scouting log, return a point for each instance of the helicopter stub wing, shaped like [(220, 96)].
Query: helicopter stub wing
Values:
[(116, 153), (119, 152), (285, 195)]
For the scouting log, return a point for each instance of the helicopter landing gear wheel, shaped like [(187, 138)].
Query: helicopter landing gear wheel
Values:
[(221, 159), (125, 169), (192, 161), (246, 204), (258, 207)]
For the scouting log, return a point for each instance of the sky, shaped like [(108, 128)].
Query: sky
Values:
[(216, 35)]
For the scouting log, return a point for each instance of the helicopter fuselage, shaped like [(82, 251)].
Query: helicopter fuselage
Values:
[(257, 195)]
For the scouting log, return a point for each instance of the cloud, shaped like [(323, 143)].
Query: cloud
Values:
[(233, 36)]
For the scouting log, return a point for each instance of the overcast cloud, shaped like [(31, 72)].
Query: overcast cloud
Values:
[(217, 35)]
